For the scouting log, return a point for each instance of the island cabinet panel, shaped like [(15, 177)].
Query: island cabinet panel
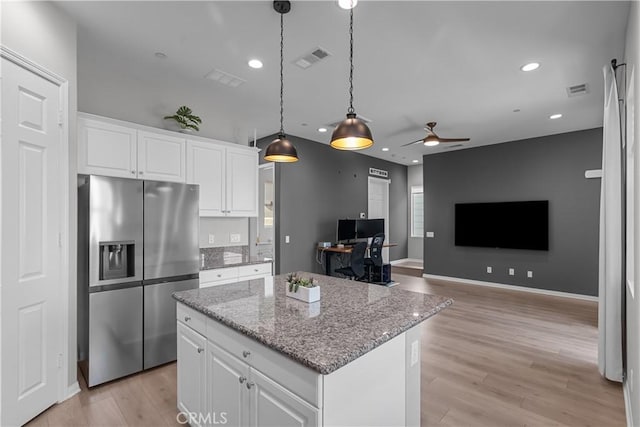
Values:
[(191, 374), (227, 396)]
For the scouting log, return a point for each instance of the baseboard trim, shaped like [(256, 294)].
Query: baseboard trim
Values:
[(513, 287), (398, 261), (72, 390), (628, 408)]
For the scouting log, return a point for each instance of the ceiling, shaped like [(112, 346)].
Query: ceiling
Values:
[(456, 63)]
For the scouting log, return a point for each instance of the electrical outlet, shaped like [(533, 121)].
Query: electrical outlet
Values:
[(287, 239), (415, 353), (430, 234), (529, 274), (212, 239), (234, 238), (489, 270), (512, 272), (363, 215)]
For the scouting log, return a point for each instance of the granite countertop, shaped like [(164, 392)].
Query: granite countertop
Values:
[(235, 260), (351, 318)]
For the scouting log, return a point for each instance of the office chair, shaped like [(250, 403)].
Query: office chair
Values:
[(355, 270), (375, 256)]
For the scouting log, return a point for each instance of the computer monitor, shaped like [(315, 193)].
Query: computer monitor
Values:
[(366, 228), (346, 230)]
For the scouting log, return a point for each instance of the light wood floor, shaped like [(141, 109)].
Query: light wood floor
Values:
[(495, 358)]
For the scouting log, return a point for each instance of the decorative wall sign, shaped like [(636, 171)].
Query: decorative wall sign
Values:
[(378, 172)]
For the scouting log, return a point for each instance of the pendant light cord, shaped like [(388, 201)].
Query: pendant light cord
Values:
[(351, 110), (281, 74)]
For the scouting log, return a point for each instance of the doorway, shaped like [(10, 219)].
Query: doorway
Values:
[(378, 207), (262, 228)]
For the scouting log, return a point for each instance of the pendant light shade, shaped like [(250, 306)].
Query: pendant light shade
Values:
[(352, 133), (281, 149)]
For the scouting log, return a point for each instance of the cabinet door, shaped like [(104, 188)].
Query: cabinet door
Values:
[(227, 396), (191, 374), (273, 405), (242, 182), (106, 149), (206, 167), (161, 157)]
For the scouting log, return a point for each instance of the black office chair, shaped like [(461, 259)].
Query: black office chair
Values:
[(355, 270), (375, 256)]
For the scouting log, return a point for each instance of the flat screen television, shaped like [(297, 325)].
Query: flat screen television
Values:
[(346, 230), (512, 225), (366, 228)]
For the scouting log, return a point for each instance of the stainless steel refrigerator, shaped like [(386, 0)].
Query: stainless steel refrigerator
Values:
[(137, 244)]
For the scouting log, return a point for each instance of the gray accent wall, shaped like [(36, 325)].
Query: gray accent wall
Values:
[(323, 186), (547, 168)]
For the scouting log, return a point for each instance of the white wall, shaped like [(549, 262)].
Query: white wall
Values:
[(43, 33), (221, 229), (415, 247), (632, 58)]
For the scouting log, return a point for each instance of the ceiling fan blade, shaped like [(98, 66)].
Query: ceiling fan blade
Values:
[(453, 139), (411, 143)]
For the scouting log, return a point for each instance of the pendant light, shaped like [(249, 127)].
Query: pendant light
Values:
[(281, 149), (352, 133)]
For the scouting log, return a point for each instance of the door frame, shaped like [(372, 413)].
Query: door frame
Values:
[(387, 225), (64, 391)]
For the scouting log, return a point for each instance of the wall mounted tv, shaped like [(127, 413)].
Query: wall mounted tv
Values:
[(512, 225)]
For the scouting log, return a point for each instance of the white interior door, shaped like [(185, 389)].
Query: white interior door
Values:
[(30, 254), (379, 208)]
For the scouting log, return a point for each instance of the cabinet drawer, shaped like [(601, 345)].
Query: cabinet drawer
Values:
[(218, 275), (255, 269), (191, 318)]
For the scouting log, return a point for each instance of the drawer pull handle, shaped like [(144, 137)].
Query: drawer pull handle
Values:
[(242, 379), (250, 384), (219, 275), (140, 173), (187, 318), (133, 172), (200, 349), (255, 269), (246, 353)]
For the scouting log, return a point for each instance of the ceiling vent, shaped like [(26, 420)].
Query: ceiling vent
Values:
[(335, 124), (307, 60), (224, 78), (577, 90)]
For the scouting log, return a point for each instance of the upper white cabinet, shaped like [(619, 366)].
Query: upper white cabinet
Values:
[(228, 178), (107, 148)]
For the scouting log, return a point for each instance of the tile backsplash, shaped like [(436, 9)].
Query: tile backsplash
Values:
[(224, 232), (223, 255)]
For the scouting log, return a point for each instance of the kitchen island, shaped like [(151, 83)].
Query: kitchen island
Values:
[(250, 355)]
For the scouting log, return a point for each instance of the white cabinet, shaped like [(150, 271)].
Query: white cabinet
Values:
[(228, 178), (111, 149), (222, 276), (106, 149), (226, 386), (191, 373)]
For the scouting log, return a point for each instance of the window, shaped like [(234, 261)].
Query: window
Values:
[(417, 212)]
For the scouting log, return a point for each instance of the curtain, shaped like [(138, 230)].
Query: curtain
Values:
[(610, 280)]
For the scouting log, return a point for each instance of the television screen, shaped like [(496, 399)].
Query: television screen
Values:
[(346, 229), (366, 228), (513, 225)]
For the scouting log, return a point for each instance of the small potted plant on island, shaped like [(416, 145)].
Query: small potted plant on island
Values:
[(185, 119), (302, 289)]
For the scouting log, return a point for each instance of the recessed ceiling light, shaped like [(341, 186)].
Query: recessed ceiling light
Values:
[(347, 4), (322, 129), (555, 116), (415, 161), (385, 149), (160, 55), (530, 66), (255, 63)]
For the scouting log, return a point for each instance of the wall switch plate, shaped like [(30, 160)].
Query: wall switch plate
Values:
[(489, 270), (529, 274), (431, 234), (234, 238), (287, 239), (511, 272), (415, 353), (363, 215), (212, 239)]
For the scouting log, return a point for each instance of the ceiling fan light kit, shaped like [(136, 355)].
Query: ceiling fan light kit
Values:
[(352, 133), (281, 150)]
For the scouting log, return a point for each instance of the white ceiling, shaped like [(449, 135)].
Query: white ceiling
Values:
[(456, 63)]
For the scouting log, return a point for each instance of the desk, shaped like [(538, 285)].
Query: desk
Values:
[(344, 250)]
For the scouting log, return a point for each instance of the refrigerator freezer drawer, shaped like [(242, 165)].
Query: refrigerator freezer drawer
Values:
[(160, 321), (115, 334)]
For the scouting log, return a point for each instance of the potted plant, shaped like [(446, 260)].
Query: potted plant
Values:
[(185, 118), (302, 289)]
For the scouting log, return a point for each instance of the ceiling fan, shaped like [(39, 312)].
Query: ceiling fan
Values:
[(432, 139)]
